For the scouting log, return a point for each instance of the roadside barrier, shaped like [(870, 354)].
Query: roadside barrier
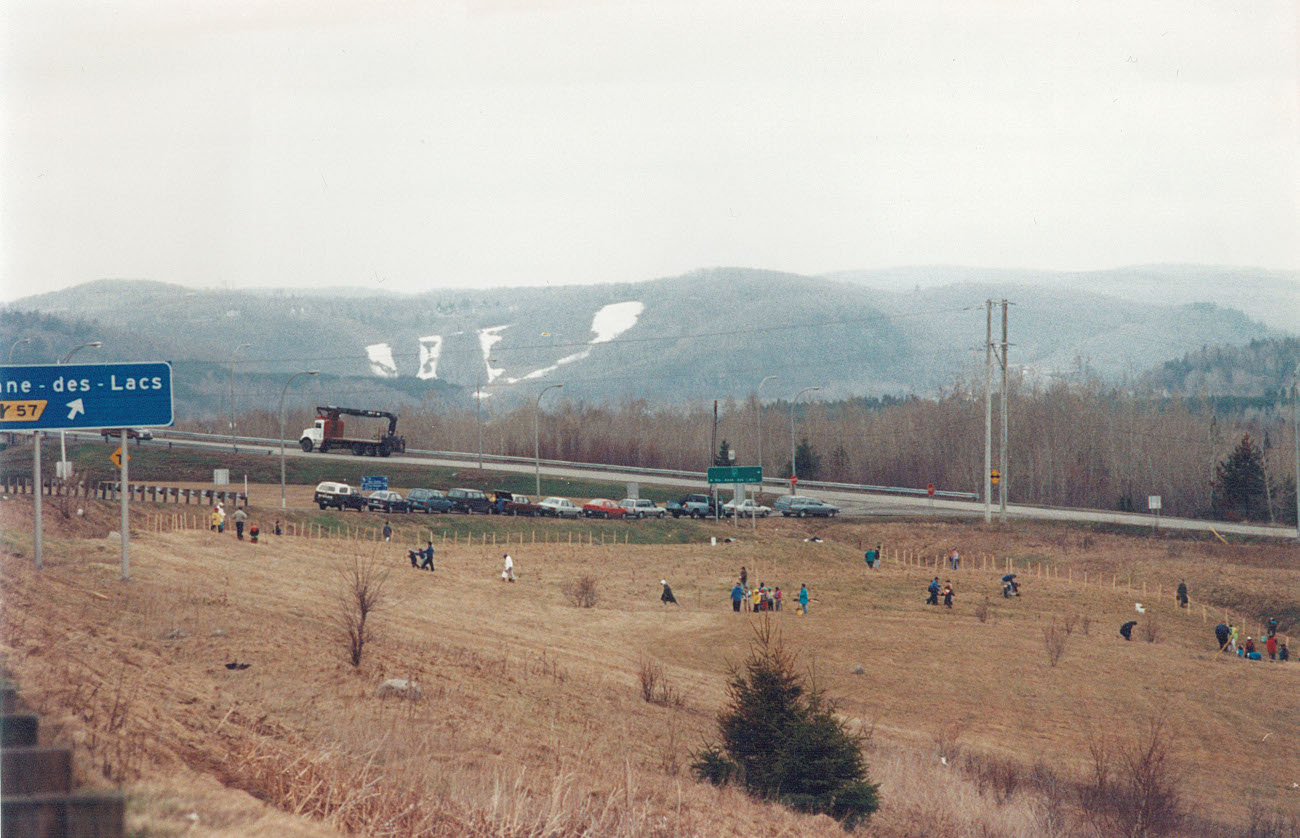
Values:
[(111, 490)]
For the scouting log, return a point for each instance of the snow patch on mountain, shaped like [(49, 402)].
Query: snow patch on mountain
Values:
[(381, 360), (615, 319), (430, 351), (488, 338), (608, 323)]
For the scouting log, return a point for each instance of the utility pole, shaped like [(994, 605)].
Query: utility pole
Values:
[(1002, 467), (713, 437), (988, 413)]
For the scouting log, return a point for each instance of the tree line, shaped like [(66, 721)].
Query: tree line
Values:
[(1068, 444)]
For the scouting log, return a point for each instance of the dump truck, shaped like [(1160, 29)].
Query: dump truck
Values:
[(327, 433)]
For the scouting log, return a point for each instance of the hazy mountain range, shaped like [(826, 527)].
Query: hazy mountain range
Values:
[(711, 333)]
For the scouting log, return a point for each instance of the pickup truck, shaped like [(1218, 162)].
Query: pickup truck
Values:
[(508, 503), (694, 506)]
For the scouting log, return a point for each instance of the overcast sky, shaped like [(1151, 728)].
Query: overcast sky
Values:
[(413, 145)]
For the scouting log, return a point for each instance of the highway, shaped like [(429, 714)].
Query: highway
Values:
[(853, 503)]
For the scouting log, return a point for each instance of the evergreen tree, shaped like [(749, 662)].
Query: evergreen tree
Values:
[(809, 462), (1239, 483), (723, 457), (782, 739)]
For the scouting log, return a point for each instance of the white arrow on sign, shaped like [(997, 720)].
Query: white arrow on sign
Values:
[(76, 407)]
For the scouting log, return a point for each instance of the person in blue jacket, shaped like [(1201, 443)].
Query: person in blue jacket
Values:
[(803, 598), (737, 596), (933, 589)]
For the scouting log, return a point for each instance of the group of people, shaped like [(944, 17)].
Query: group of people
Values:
[(1228, 636), (217, 523), (762, 598), (935, 590), (422, 557)]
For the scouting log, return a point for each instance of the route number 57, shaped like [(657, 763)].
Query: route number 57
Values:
[(24, 411)]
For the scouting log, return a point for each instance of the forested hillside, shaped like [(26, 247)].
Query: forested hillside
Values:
[(1259, 369)]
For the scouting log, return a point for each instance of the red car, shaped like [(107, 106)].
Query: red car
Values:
[(602, 508)]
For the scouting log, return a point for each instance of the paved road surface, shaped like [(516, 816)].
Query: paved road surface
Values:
[(852, 503)]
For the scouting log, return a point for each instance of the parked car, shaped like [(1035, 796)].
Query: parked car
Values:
[(694, 506), (428, 500), (114, 434), (469, 500), (603, 508), (642, 508), (559, 508), (386, 501), (800, 506), (749, 508), (337, 495), (509, 503)]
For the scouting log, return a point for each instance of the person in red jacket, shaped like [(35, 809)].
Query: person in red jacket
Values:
[(1270, 646)]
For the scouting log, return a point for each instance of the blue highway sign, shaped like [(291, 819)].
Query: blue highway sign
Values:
[(66, 396), (378, 483)]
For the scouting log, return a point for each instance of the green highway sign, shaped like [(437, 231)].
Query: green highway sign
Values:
[(736, 474)]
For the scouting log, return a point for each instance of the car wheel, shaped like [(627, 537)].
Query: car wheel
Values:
[(800, 513), (322, 507), (305, 444)]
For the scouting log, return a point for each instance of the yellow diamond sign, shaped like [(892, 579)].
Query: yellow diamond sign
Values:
[(116, 457)]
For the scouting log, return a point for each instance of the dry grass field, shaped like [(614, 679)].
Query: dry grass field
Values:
[(532, 720)]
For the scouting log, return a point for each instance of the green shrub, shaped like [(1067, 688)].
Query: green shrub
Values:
[(782, 739)]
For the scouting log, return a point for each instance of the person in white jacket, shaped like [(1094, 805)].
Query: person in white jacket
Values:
[(508, 574)]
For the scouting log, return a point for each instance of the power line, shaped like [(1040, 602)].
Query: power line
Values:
[(637, 340)]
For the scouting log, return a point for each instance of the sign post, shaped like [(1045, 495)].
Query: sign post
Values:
[(36, 499), (1154, 503), (929, 491), (41, 397), (125, 496)]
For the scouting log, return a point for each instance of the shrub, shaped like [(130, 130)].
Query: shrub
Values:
[(359, 596), (1150, 629), (1054, 637), (782, 738), (983, 610), (654, 685), (1134, 788), (582, 592)]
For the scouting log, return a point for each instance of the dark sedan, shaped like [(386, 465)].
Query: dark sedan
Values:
[(386, 501), (428, 500)]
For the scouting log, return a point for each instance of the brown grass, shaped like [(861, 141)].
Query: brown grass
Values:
[(533, 721)]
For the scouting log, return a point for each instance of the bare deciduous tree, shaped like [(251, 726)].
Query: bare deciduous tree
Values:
[(360, 594)]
